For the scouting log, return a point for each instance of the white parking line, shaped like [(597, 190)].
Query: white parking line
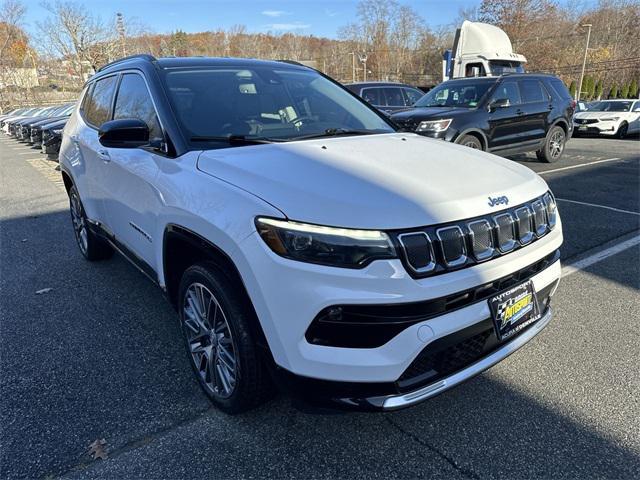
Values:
[(598, 257), (579, 166), (599, 206)]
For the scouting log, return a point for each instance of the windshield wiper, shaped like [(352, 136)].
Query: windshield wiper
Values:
[(233, 139), (334, 132)]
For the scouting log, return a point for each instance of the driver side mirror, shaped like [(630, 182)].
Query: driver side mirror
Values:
[(124, 133), (499, 103)]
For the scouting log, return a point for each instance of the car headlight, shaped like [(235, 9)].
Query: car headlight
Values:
[(434, 125), (337, 247), (610, 119)]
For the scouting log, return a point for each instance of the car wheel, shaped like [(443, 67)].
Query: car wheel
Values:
[(470, 141), (553, 145), (215, 320), (622, 130), (90, 245)]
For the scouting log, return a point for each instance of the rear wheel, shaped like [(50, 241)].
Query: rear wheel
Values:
[(90, 245), (623, 129), (215, 321), (553, 145), (470, 141)]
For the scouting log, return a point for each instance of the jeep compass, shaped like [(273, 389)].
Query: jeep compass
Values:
[(303, 241)]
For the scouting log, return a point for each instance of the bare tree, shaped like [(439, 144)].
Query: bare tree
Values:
[(79, 37)]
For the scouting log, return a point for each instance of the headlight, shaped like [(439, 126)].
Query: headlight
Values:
[(610, 119), (337, 247), (434, 125)]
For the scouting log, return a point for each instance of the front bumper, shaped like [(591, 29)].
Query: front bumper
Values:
[(599, 128), (287, 296)]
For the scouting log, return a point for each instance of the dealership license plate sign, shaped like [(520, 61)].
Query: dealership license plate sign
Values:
[(514, 309)]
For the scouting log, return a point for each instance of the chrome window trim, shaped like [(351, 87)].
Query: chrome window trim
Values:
[(488, 253), (530, 235), (431, 265), (536, 227), (513, 242), (462, 259)]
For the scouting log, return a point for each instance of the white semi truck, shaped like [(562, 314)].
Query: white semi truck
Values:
[(480, 50)]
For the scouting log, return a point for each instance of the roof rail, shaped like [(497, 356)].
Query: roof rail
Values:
[(142, 56), (293, 62)]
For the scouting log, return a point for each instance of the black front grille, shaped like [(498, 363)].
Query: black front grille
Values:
[(446, 356), (586, 121), (371, 326)]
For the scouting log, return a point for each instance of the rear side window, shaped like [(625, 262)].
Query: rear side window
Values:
[(134, 101), (394, 97), (508, 90), (372, 95), (97, 108), (532, 91), (560, 89)]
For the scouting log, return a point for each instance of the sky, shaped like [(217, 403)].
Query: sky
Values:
[(321, 18)]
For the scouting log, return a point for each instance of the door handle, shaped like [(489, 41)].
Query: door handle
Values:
[(104, 156)]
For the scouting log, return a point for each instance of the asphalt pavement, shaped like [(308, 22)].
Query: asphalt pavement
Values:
[(97, 354)]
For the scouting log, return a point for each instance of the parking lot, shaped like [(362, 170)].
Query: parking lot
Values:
[(93, 351)]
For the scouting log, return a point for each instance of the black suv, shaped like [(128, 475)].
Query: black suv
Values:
[(388, 97), (503, 115)]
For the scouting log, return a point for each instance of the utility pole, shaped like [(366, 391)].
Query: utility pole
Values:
[(363, 60), (353, 67), (121, 32), (584, 61)]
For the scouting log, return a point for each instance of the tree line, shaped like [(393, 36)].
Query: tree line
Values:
[(386, 40)]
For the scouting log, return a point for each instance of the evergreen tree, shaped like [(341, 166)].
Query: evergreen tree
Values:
[(613, 93), (624, 91), (633, 89), (573, 88), (599, 90)]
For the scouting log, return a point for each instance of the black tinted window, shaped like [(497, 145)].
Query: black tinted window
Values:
[(372, 95), (394, 97), (133, 101), (97, 109), (508, 90), (532, 91), (412, 95), (560, 89)]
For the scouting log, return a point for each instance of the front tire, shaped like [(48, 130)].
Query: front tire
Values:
[(553, 145), (470, 141), (215, 320), (91, 246), (623, 129)]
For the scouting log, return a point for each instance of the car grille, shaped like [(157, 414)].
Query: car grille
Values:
[(585, 121), (441, 248)]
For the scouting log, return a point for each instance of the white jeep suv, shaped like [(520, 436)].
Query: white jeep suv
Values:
[(301, 237)]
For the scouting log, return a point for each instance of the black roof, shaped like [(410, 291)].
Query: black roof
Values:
[(378, 84), (506, 75), (179, 62)]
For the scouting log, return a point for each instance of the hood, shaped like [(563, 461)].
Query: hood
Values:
[(55, 125), (44, 121), (384, 181), (588, 115), (428, 113)]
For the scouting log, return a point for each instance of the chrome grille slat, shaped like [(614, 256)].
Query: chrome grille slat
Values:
[(467, 242)]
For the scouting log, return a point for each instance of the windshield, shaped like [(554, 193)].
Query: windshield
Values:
[(264, 102), (500, 67), (455, 94), (621, 106)]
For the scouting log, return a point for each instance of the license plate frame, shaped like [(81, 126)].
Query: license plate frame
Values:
[(514, 309)]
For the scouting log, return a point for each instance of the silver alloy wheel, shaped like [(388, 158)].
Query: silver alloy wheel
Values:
[(556, 143), (471, 144), (209, 340), (79, 224)]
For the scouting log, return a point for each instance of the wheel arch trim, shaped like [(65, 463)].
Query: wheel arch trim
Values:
[(477, 132)]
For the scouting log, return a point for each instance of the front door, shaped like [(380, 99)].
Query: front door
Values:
[(132, 202), (504, 122)]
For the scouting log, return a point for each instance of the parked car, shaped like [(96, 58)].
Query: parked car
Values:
[(52, 138), (33, 131), (12, 123), (386, 96), (301, 237), (22, 128), (4, 122), (609, 117), (503, 115)]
